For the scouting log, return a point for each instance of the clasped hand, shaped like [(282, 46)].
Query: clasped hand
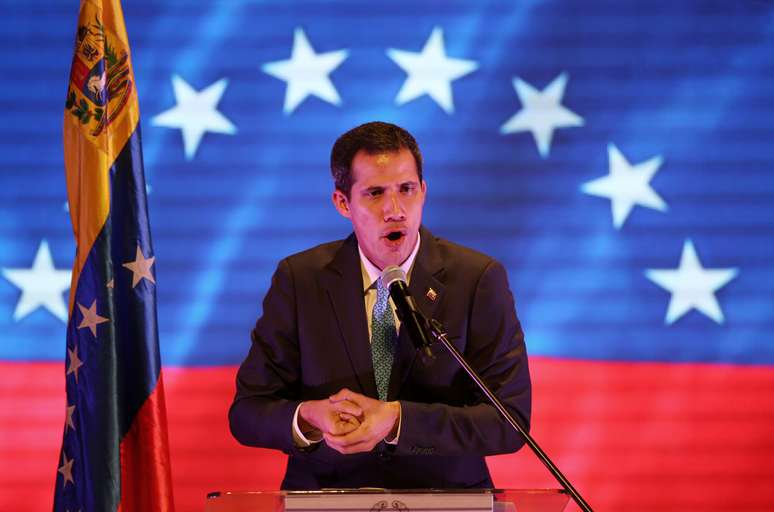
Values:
[(350, 422)]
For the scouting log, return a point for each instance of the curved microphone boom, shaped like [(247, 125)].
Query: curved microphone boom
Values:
[(422, 331)]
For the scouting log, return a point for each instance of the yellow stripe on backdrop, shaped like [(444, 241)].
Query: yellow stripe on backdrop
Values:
[(101, 113)]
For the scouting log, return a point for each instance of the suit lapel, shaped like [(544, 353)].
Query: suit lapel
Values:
[(428, 292), (344, 284)]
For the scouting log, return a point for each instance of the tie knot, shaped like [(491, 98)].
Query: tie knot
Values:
[(382, 293)]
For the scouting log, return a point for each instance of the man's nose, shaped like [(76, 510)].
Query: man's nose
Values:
[(393, 208)]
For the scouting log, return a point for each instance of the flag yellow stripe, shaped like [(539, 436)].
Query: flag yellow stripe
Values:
[(88, 150)]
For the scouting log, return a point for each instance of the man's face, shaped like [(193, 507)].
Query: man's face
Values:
[(385, 205)]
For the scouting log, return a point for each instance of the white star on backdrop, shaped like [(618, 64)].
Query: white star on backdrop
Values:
[(627, 185), (430, 72), (542, 112), (42, 285), (306, 72), (195, 113), (692, 286)]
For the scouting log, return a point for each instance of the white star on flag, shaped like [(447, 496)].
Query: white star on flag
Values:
[(75, 362), (692, 286), (542, 112), (69, 419), (430, 72), (306, 72), (140, 267), (41, 285), (90, 318), (66, 469), (627, 185), (195, 113)]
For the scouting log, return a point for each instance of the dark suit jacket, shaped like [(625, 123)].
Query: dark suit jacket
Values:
[(312, 340)]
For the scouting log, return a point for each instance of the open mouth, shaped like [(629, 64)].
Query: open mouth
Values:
[(394, 236)]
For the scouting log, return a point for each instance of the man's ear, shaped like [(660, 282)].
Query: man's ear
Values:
[(341, 203)]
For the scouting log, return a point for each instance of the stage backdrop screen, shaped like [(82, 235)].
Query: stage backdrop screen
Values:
[(616, 157)]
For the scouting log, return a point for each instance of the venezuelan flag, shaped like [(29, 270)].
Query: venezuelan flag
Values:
[(114, 453)]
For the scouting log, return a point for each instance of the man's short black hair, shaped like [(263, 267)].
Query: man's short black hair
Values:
[(374, 137)]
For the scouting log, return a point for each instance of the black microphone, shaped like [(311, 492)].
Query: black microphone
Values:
[(394, 278)]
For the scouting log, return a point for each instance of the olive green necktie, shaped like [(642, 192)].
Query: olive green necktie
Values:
[(383, 339)]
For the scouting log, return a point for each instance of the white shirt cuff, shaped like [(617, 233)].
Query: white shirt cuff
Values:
[(299, 439), (394, 440)]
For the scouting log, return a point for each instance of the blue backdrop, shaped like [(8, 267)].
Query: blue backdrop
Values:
[(537, 121)]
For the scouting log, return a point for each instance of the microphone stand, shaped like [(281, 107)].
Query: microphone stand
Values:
[(439, 334)]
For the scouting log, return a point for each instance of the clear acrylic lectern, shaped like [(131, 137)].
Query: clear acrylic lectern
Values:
[(375, 500)]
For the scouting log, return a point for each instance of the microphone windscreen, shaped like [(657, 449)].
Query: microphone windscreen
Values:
[(392, 274)]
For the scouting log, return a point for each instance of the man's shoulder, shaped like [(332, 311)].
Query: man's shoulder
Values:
[(455, 254), (316, 257), (466, 268)]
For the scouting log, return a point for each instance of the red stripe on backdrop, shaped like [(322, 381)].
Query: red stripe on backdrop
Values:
[(631, 436)]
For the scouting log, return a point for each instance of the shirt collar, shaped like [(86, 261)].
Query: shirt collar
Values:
[(371, 273)]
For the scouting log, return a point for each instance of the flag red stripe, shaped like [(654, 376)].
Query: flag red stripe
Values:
[(145, 466), (631, 436)]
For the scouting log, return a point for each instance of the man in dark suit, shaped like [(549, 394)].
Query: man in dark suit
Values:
[(331, 378)]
